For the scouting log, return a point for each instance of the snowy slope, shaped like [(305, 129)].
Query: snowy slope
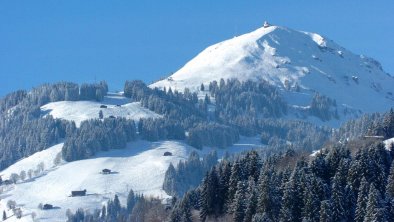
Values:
[(79, 111), (388, 143), (141, 166), (287, 58)]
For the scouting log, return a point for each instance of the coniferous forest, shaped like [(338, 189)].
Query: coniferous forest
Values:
[(349, 178)]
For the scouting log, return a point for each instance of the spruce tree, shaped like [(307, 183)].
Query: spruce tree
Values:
[(325, 211), (239, 205), (251, 202), (130, 200), (362, 200), (265, 200), (390, 183), (209, 192), (311, 209), (337, 197), (288, 201), (233, 182), (373, 210)]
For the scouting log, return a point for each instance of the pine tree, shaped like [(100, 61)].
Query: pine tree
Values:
[(338, 211), (202, 88), (388, 124), (261, 217), (4, 215), (130, 201), (325, 211), (224, 177), (239, 206), (265, 200), (186, 210), (116, 205), (362, 200), (170, 178), (288, 201), (349, 203), (390, 183), (233, 182), (373, 210), (209, 192), (103, 212), (251, 203), (311, 209)]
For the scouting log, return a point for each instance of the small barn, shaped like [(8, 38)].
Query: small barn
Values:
[(47, 207), (103, 106), (167, 153), (106, 171), (77, 193)]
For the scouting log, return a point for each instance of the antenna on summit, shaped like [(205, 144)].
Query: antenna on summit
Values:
[(266, 24)]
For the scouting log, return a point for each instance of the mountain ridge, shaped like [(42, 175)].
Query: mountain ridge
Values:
[(299, 63)]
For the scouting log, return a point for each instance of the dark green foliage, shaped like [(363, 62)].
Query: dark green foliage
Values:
[(209, 195), (325, 211), (93, 91), (333, 186), (188, 174), (323, 107), (213, 135), (95, 135), (249, 98), (159, 129)]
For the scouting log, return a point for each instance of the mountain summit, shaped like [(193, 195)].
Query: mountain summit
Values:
[(300, 63)]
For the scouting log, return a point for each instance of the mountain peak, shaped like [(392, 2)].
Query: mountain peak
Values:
[(288, 59)]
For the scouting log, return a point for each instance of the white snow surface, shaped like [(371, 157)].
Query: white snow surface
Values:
[(389, 143), (117, 106), (281, 55), (141, 167)]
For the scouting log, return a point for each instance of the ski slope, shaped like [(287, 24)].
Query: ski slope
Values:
[(141, 167), (291, 59), (117, 106)]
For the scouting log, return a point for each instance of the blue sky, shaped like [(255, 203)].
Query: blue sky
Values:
[(80, 41)]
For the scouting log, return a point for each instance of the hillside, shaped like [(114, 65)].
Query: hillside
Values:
[(116, 106), (299, 63), (141, 167)]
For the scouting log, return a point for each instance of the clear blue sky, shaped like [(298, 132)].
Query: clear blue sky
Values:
[(80, 41)]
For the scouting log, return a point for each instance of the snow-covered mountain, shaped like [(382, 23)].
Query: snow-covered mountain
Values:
[(299, 63)]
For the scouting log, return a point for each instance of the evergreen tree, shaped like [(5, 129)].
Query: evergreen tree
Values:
[(4, 215), (374, 211), (325, 211), (362, 201), (235, 177), (311, 209), (388, 124), (240, 205), (209, 192), (265, 200), (390, 183), (103, 212), (202, 88), (338, 211), (131, 200), (261, 217), (251, 200)]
